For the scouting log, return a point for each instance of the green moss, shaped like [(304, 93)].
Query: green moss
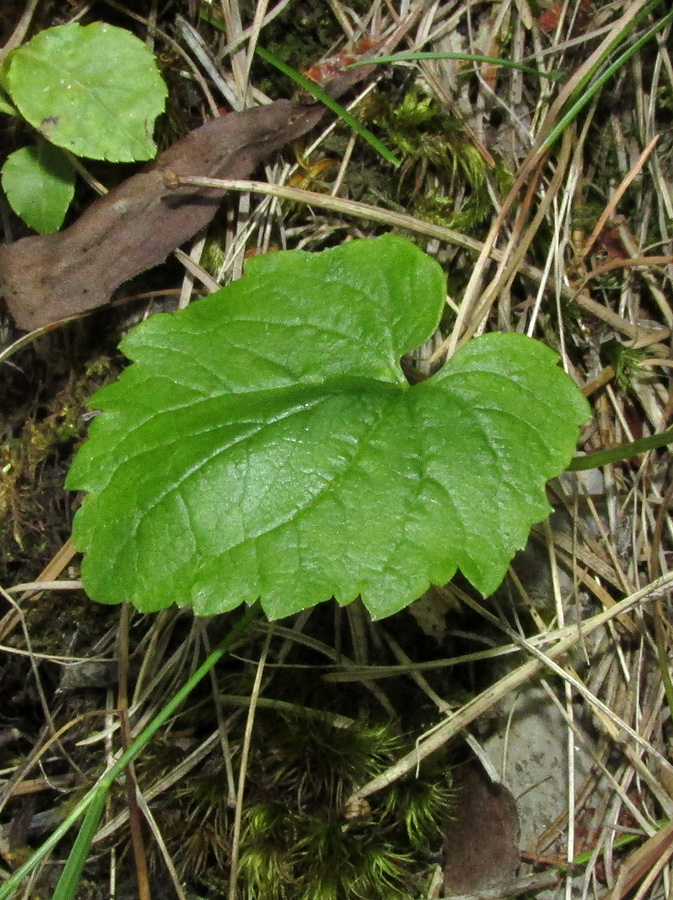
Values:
[(443, 178), (625, 361), (297, 842)]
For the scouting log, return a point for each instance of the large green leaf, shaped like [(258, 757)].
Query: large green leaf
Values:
[(266, 444), (40, 183), (93, 89)]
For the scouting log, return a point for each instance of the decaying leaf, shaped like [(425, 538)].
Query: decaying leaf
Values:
[(136, 225), (481, 840), (133, 228)]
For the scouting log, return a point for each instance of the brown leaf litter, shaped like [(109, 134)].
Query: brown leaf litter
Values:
[(45, 278)]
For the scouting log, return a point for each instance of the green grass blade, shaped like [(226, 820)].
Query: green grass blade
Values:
[(620, 452), (599, 80), (410, 56), (95, 798), (316, 91), (312, 88), (12, 885), (586, 90), (69, 880)]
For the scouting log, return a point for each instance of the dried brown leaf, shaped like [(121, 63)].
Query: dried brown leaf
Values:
[(481, 840), (135, 226)]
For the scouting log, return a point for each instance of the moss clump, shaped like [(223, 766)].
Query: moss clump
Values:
[(297, 841), (444, 178), (625, 361)]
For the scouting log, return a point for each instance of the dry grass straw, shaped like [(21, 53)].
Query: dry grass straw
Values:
[(615, 561)]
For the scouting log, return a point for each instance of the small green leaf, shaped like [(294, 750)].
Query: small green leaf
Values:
[(266, 444), (39, 183), (93, 89)]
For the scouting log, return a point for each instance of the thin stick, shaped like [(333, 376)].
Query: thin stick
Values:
[(135, 820), (618, 194), (245, 753), (460, 720)]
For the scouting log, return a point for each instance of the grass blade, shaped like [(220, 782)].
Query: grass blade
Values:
[(410, 56), (316, 91), (93, 802)]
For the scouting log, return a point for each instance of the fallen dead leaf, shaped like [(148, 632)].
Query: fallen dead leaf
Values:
[(135, 226), (481, 839)]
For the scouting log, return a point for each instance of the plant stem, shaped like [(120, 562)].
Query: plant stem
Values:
[(620, 452)]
